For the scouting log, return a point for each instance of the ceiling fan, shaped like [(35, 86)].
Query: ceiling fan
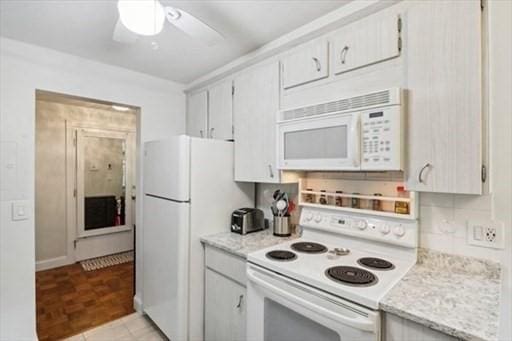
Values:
[(147, 18)]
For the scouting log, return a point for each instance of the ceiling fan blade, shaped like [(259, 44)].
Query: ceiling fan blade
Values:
[(124, 35), (193, 26)]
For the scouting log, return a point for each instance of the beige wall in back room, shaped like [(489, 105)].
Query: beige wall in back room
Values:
[(50, 213)]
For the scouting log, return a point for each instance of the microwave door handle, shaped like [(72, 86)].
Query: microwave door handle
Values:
[(356, 141), (358, 322)]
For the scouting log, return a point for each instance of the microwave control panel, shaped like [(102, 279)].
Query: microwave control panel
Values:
[(382, 139)]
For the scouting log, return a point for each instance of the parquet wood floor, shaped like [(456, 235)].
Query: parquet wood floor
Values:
[(70, 300)]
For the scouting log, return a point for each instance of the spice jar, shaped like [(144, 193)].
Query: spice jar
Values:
[(339, 200), (323, 198), (376, 203), (310, 197), (355, 202), (401, 207)]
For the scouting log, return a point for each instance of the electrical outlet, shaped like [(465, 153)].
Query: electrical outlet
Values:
[(485, 233), (490, 234)]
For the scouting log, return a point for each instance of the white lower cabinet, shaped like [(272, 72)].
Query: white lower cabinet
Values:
[(396, 328), (224, 308), (225, 296)]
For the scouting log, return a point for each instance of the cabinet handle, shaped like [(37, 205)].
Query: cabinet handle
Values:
[(239, 305), (211, 132), (201, 133), (420, 175), (270, 171), (317, 63), (343, 54)]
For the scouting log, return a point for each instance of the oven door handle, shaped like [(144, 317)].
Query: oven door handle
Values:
[(360, 323)]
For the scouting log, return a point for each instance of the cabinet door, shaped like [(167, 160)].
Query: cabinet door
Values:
[(220, 110), (398, 329), (307, 64), (224, 308), (255, 106), (445, 96), (367, 42), (197, 114)]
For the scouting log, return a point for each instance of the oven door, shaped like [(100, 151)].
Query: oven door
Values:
[(320, 143), (279, 308)]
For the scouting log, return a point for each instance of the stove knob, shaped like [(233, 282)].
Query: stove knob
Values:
[(399, 231), (362, 224), (318, 218), (308, 216), (384, 229)]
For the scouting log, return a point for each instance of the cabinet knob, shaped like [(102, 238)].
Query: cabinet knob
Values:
[(201, 133), (211, 132), (270, 171), (317, 63), (420, 175), (239, 305), (343, 54)]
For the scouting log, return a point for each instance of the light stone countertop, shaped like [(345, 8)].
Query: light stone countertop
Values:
[(241, 245), (456, 295)]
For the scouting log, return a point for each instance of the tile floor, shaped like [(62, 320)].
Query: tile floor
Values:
[(134, 327)]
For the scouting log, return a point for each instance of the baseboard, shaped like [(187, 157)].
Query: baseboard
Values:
[(52, 263), (137, 304)]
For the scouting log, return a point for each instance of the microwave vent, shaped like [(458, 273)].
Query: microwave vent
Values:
[(384, 97)]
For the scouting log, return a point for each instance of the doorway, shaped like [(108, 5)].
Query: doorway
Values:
[(85, 213)]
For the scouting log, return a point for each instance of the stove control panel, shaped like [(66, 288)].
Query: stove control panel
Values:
[(388, 230)]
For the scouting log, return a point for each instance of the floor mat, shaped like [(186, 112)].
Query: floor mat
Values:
[(105, 261)]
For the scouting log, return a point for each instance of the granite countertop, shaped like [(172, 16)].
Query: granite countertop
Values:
[(241, 245), (456, 295)]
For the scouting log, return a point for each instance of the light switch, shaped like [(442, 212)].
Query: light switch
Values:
[(478, 232), (20, 210)]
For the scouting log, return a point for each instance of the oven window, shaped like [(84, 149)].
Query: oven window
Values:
[(284, 324), (319, 143)]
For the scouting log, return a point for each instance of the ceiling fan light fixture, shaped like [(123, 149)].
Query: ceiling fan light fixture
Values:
[(144, 17)]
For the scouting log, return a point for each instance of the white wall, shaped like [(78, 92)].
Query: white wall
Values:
[(23, 69), (500, 85)]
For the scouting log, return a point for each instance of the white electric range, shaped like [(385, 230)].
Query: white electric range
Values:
[(327, 284)]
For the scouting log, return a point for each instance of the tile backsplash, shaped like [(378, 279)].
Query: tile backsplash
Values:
[(443, 218)]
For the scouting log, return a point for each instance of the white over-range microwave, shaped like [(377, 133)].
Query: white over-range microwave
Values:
[(363, 132)]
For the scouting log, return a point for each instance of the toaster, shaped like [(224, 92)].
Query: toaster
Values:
[(247, 220)]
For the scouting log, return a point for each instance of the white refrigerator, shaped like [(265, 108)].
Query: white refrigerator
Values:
[(189, 192)]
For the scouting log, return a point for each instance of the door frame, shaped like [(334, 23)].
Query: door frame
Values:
[(71, 181)]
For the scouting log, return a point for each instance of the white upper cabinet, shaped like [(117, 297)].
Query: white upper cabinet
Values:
[(197, 114), (444, 78), (255, 106), (308, 63), (210, 112), (220, 111), (366, 42)]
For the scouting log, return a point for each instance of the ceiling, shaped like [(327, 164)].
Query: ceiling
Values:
[(84, 28)]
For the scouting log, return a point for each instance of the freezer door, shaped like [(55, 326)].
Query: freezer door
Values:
[(165, 270), (167, 168)]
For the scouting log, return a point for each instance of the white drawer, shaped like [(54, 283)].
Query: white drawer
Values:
[(225, 263)]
